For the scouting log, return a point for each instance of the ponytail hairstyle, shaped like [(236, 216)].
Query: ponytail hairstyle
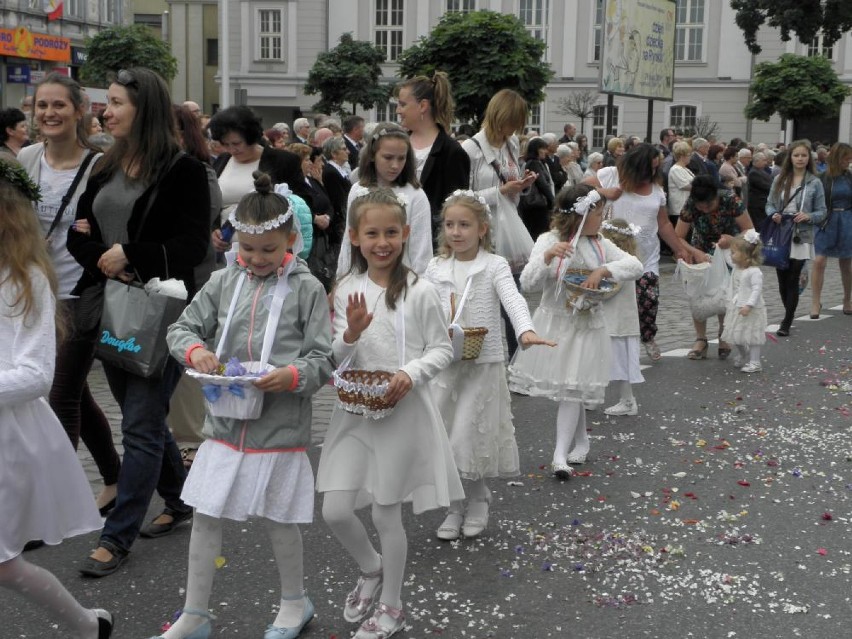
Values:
[(622, 234), (368, 177), (749, 244), (566, 222), (77, 99), (475, 205), (377, 198), (437, 91), (263, 207)]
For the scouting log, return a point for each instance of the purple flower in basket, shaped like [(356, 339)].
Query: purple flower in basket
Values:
[(234, 368)]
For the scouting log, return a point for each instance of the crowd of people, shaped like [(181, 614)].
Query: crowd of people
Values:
[(388, 257)]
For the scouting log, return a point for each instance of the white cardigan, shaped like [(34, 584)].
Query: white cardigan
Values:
[(492, 285), (418, 248), (750, 289)]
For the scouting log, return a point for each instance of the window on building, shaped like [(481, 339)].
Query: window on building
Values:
[(386, 112), (598, 30), (683, 117), (817, 47), (389, 27), (153, 20), (212, 52), (534, 120), (74, 8), (533, 14), (689, 35), (270, 38), (109, 11), (461, 6), (599, 131)]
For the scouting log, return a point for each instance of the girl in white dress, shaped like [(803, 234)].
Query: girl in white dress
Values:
[(745, 320), (473, 395), (622, 319), (580, 362), (266, 306), (388, 161), (43, 490), (386, 319)]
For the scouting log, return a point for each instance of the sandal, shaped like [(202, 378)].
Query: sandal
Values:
[(450, 530), (723, 351), (372, 629), (187, 455), (698, 353), (357, 607)]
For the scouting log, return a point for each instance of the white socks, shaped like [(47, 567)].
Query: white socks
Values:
[(754, 354), (625, 390), (43, 588), (571, 435)]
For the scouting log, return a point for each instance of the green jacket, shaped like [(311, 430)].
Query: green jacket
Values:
[(303, 340)]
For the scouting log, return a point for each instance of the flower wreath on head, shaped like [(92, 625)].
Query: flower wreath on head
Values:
[(18, 177), (282, 191), (751, 236), (631, 230), (359, 191)]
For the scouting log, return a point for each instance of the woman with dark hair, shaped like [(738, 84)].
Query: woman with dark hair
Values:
[(635, 189), (715, 216), (797, 194), (834, 236), (582, 151), (238, 130), (147, 214), (759, 183), (14, 132), (729, 176), (425, 108), (55, 165), (536, 216)]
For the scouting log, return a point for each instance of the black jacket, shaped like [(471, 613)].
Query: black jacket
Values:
[(173, 239), (447, 169)]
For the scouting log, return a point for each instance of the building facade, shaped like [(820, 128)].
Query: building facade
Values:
[(33, 42), (272, 45)]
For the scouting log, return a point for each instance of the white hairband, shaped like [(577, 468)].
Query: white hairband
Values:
[(584, 204), (630, 230), (359, 191), (751, 236), (467, 193), (280, 190)]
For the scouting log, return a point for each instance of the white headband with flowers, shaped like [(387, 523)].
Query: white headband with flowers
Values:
[(359, 190), (631, 230), (283, 191)]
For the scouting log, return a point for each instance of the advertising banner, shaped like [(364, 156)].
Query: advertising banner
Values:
[(23, 43)]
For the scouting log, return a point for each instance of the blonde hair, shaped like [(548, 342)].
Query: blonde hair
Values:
[(376, 198), (753, 252), (480, 212), (625, 241), (681, 149), (505, 108)]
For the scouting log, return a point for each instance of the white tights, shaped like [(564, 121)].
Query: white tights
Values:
[(43, 588), (571, 435), (625, 390), (338, 510), (749, 353), (205, 545)]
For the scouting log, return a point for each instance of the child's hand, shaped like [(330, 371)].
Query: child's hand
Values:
[(358, 318), (560, 250), (531, 338), (278, 380), (82, 226), (204, 361), (398, 387), (593, 282), (745, 310)]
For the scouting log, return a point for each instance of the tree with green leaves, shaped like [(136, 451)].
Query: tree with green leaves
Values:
[(481, 53), (806, 18), (796, 87), (126, 46), (348, 73)]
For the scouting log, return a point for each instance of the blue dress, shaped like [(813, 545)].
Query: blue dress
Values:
[(835, 240)]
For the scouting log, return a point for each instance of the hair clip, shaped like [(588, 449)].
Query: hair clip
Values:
[(18, 177), (585, 203), (751, 236), (403, 201)]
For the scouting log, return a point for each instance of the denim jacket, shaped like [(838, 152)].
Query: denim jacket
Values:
[(811, 200)]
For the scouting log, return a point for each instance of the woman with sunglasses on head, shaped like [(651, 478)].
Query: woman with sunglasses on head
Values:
[(145, 214)]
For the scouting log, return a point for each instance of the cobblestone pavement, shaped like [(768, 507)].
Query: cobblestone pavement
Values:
[(675, 337)]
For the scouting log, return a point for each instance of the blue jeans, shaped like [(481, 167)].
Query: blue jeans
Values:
[(151, 456)]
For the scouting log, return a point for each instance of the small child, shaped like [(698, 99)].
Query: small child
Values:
[(745, 320), (473, 395), (580, 363), (385, 319), (45, 493), (388, 161), (622, 320), (258, 467)]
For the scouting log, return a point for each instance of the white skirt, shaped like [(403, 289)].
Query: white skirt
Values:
[(745, 331), (475, 404), (226, 483), (625, 360), (43, 489)]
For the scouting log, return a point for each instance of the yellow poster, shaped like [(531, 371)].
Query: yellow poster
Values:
[(638, 48), (23, 43)]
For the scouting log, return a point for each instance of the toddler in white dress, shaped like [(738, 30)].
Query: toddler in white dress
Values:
[(745, 319)]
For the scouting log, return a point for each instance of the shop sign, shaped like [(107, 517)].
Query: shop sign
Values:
[(18, 75), (23, 43)]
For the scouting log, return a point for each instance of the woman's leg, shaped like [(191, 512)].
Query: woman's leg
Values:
[(647, 300), (699, 348), (286, 542), (44, 589), (205, 545), (846, 278), (817, 278), (790, 290)]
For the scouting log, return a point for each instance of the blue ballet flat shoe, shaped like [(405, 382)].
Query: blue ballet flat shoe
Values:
[(274, 632), (203, 631)]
